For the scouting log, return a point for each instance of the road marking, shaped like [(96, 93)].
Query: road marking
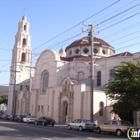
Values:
[(47, 138), (90, 138), (55, 131)]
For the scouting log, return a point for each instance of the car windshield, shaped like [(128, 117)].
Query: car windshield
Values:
[(48, 118), (125, 123), (87, 121), (33, 117)]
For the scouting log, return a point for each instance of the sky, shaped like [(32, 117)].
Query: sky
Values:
[(57, 23)]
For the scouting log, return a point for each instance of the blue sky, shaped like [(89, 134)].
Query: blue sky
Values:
[(119, 25)]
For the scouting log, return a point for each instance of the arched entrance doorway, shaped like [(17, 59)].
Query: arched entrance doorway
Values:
[(64, 111)]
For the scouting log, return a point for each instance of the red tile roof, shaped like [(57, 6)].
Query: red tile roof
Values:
[(122, 54), (85, 41)]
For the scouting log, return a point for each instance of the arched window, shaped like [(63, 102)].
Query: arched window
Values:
[(24, 27), (45, 81), (99, 78), (24, 41), (101, 106), (20, 87), (80, 75), (23, 57), (112, 72), (66, 86)]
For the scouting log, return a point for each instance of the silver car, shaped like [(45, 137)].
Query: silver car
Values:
[(81, 124), (29, 119)]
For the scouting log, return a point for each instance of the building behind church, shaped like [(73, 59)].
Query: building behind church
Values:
[(59, 82)]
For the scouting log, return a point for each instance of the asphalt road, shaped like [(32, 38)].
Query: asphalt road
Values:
[(22, 131)]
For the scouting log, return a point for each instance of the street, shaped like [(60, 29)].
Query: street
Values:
[(21, 131)]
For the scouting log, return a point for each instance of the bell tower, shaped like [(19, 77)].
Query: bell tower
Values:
[(22, 48), (21, 62)]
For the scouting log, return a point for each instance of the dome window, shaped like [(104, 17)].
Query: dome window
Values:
[(70, 52), (95, 50), (103, 51), (86, 50), (77, 51)]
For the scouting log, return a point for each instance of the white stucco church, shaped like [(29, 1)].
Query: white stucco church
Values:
[(60, 84)]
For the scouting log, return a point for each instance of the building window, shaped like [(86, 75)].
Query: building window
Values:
[(101, 106), (24, 41), (95, 50), (18, 104), (20, 87), (99, 78), (24, 27), (38, 108), (77, 51), (80, 75), (23, 57), (112, 73), (86, 50), (66, 86), (70, 52), (48, 108), (103, 51), (45, 81), (42, 107)]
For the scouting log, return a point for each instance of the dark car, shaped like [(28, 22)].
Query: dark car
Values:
[(11, 117), (1, 115), (45, 121), (19, 118)]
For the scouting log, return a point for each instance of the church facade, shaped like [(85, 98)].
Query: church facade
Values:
[(59, 84)]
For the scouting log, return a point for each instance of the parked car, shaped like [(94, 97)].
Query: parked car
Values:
[(114, 126), (81, 124), (45, 121), (29, 119), (19, 118), (4, 117), (11, 117), (1, 115)]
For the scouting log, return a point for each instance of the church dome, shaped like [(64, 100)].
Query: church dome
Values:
[(85, 41), (82, 47)]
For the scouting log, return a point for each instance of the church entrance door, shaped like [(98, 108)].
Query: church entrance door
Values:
[(64, 111)]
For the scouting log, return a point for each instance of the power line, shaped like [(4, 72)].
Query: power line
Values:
[(122, 30), (118, 14), (5, 65), (119, 22), (77, 24), (124, 36)]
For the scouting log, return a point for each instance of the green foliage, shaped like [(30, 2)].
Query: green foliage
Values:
[(3, 99), (124, 89)]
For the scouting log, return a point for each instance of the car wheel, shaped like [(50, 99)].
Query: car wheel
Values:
[(118, 132), (69, 127), (52, 124), (80, 128), (36, 123), (98, 130), (43, 123)]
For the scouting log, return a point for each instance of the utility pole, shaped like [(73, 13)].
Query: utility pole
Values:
[(14, 91), (91, 32), (30, 80)]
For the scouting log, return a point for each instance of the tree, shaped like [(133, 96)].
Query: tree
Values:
[(124, 88), (3, 99)]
